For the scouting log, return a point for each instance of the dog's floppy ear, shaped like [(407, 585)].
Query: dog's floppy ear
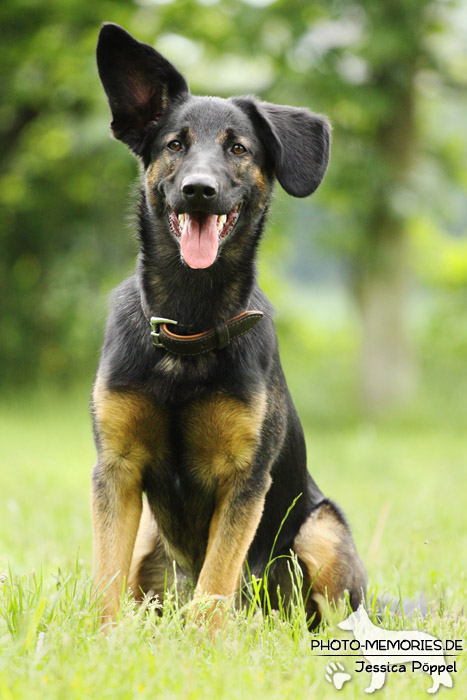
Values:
[(138, 81), (297, 141)]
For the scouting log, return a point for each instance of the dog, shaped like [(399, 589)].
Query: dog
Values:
[(200, 450), (366, 633)]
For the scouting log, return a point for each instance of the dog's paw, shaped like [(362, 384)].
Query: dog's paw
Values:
[(209, 612), (337, 675)]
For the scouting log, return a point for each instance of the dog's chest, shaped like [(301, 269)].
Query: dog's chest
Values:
[(182, 455)]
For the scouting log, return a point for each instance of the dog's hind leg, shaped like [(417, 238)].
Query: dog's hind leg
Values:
[(325, 547)]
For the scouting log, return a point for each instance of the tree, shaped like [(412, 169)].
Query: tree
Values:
[(63, 184), (359, 62), (56, 194)]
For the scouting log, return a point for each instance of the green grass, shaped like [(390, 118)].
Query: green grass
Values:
[(403, 489)]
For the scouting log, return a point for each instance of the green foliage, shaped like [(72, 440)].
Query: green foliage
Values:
[(61, 186), (372, 66)]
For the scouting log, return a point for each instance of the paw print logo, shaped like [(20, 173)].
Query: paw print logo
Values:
[(337, 675)]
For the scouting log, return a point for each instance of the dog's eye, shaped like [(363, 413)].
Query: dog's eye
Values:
[(175, 145), (239, 149)]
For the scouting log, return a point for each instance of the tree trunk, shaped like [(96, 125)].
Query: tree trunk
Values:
[(382, 281), (387, 368)]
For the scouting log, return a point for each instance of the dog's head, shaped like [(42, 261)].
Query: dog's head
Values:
[(210, 163)]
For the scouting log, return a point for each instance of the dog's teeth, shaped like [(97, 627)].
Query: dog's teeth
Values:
[(221, 221), (181, 220)]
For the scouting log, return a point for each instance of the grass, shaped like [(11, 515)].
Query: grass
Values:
[(402, 487)]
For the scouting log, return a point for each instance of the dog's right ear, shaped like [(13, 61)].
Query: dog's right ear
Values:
[(139, 83)]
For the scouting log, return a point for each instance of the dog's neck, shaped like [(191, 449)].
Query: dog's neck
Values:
[(196, 299)]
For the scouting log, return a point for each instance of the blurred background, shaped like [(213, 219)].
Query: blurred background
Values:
[(371, 272)]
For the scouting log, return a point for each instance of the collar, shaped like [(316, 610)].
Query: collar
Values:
[(214, 339)]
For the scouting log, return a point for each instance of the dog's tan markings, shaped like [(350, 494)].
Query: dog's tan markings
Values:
[(165, 166), (242, 168), (233, 526), (222, 434), (222, 136), (115, 523), (261, 185), (316, 544), (157, 170), (132, 428), (153, 176), (326, 547), (189, 135), (231, 531), (229, 135), (132, 433)]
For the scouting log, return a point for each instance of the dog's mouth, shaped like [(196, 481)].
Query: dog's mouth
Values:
[(201, 233)]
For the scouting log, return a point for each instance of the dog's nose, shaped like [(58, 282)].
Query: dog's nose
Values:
[(199, 189)]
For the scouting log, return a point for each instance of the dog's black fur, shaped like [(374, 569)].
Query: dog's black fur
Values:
[(213, 440)]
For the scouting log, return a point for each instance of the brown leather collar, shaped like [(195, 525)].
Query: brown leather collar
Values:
[(199, 343)]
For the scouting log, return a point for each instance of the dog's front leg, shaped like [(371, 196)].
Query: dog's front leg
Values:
[(130, 433), (116, 513), (238, 510)]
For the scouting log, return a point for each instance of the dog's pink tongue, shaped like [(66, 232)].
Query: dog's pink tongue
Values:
[(199, 241)]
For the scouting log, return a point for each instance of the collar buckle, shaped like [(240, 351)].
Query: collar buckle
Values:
[(155, 325)]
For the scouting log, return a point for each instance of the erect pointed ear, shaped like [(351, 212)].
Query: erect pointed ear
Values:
[(139, 82), (297, 142)]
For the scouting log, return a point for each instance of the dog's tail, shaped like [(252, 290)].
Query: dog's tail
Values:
[(400, 607)]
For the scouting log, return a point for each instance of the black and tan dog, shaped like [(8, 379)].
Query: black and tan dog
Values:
[(197, 416)]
